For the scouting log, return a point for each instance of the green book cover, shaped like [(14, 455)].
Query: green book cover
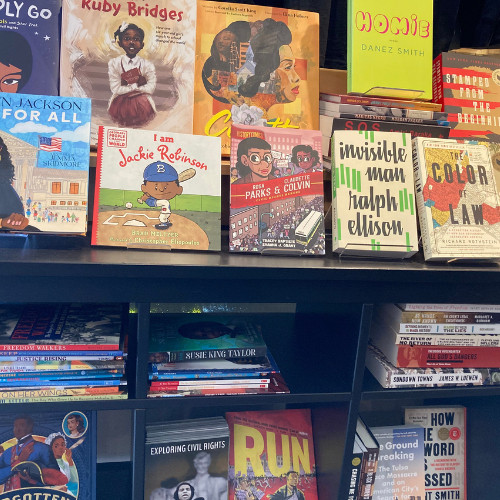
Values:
[(389, 48)]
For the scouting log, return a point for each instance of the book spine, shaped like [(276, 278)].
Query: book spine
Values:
[(437, 79), (100, 148), (461, 308), (379, 102), (354, 480), (50, 348), (29, 384), (59, 357), (6, 378), (447, 328), (180, 383), (203, 354), (368, 471), (57, 399), (397, 380), (383, 118), (43, 367), (207, 386), (448, 317), (449, 340), (51, 392)]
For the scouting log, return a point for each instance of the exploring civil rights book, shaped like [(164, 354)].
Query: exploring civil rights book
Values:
[(44, 163), (255, 65), (157, 190), (135, 60)]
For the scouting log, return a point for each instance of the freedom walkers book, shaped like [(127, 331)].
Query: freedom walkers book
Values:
[(135, 59), (157, 190), (44, 163), (373, 203), (277, 201)]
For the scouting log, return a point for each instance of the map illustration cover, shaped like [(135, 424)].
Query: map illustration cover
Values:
[(157, 190), (255, 66), (44, 163), (49, 455), (277, 201), (134, 59)]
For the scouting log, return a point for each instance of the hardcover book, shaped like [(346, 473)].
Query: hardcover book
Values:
[(29, 35), (389, 48), (277, 201), (157, 190), (445, 449), (103, 44), (256, 66), (458, 202), (48, 455), (356, 461), (271, 455), (44, 160), (373, 207), (368, 100), (371, 449)]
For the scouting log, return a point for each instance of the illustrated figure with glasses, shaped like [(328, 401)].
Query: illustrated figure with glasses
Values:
[(305, 159), (255, 161)]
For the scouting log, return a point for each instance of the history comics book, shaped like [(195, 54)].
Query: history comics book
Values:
[(256, 66), (134, 59), (50, 455)]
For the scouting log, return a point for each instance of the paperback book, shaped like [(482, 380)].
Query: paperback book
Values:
[(157, 190)]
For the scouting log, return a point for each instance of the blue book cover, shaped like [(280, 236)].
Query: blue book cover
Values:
[(48, 455), (29, 35), (44, 163), (31, 384)]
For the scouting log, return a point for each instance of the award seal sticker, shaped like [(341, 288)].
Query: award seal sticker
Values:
[(443, 433)]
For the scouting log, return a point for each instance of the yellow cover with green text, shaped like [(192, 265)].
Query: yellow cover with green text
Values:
[(389, 48)]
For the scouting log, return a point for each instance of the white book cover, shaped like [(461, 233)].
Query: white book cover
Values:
[(457, 200), (157, 190), (373, 207)]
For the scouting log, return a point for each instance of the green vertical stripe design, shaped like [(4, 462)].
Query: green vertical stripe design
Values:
[(348, 176), (372, 136), (342, 174), (374, 244), (404, 139), (401, 203), (337, 178), (353, 173), (408, 245), (339, 231), (412, 207), (358, 181), (406, 199)]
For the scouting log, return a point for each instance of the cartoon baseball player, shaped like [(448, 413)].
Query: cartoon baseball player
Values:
[(161, 184)]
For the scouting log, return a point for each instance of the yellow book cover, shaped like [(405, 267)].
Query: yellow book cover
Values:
[(389, 48), (255, 66)]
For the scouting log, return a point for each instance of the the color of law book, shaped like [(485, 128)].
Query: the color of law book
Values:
[(444, 450), (373, 205), (356, 461), (457, 199)]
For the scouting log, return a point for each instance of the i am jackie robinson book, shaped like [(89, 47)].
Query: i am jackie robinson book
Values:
[(157, 190)]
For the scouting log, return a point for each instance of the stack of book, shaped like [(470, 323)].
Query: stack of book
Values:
[(54, 352), (435, 345), (209, 354)]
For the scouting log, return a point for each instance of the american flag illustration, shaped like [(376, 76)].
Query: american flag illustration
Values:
[(50, 143)]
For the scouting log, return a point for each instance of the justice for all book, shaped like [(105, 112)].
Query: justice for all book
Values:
[(134, 59), (255, 65), (50, 455), (157, 190), (44, 163), (277, 201)]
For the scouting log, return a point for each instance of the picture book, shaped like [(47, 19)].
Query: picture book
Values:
[(457, 199), (198, 337), (271, 455), (400, 470), (48, 455), (44, 160), (389, 48), (444, 449), (373, 205), (135, 60), (276, 199), (157, 190), (255, 65), (29, 33)]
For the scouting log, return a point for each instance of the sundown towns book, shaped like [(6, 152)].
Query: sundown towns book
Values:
[(44, 163), (134, 59), (373, 206), (457, 199), (277, 201), (389, 48), (255, 65), (157, 190), (29, 35), (444, 449)]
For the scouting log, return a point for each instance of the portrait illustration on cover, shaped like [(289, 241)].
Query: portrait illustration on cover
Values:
[(16, 61)]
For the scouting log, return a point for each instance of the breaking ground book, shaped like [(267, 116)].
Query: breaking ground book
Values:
[(271, 455), (256, 66), (389, 48), (29, 35), (134, 59), (276, 198), (44, 163), (457, 199), (373, 205), (157, 190), (444, 449)]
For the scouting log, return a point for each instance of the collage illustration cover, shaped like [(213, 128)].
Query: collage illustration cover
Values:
[(157, 190), (277, 201), (49, 455), (134, 59), (44, 163), (255, 66), (29, 35)]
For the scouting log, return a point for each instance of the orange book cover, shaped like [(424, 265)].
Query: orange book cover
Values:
[(255, 65)]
